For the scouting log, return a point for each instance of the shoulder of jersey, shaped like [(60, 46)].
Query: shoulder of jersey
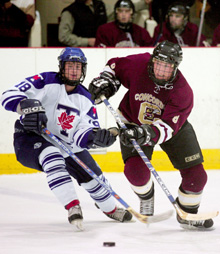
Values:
[(45, 78), (82, 90)]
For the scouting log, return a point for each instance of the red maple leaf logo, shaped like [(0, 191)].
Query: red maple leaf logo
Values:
[(65, 121)]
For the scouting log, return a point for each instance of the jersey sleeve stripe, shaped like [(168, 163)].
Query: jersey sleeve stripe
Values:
[(11, 103), (81, 137), (165, 131)]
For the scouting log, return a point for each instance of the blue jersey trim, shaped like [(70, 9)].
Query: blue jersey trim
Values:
[(44, 78)]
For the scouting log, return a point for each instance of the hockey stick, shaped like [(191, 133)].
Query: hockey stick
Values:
[(161, 27), (180, 212), (201, 22), (140, 217)]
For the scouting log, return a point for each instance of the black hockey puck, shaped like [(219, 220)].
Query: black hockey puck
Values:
[(109, 244), (208, 223)]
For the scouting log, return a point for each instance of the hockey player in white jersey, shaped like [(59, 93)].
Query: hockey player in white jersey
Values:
[(59, 101)]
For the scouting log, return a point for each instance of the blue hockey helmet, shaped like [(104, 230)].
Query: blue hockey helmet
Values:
[(72, 55)]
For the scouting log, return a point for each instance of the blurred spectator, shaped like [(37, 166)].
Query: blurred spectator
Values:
[(138, 4), (177, 27), (122, 32), (212, 17), (15, 25), (79, 22), (216, 37), (27, 6), (160, 7)]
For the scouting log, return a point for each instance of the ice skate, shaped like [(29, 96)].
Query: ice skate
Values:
[(198, 224), (75, 216), (147, 206), (120, 214)]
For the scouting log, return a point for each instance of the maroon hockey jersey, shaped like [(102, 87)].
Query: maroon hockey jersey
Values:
[(164, 108), (187, 38), (110, 35)]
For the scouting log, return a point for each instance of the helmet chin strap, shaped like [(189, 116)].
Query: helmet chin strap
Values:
[(70, 82), (124, 26), (178, 31)]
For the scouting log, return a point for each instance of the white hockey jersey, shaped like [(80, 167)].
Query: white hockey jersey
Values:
[(71, 116)]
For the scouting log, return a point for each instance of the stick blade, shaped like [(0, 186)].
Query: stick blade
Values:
[(160, 217), (198, 216), (151, 219)]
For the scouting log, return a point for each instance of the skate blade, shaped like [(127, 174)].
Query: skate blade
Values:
[(78, 223), (193, 228)]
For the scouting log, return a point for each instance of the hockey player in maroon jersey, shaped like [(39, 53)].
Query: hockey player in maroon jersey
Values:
[(122, 32), (155, 109), (177, 27)]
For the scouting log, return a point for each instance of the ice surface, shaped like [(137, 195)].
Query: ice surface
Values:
[(32, 221)]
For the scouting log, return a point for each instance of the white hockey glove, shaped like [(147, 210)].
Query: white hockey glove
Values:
[(106, 84), (142, 134), (35, 118)]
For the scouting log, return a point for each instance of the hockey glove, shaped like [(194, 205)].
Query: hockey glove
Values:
[(142, 134), (35, 118), (103, 137), (106, 85)]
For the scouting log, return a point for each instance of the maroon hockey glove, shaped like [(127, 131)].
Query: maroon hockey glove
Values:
[(35, 118), (142, 134), (106, 85)]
